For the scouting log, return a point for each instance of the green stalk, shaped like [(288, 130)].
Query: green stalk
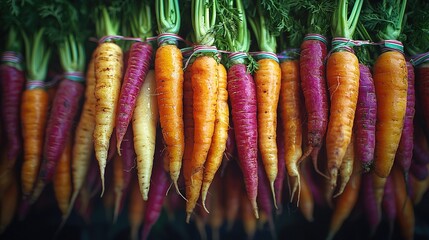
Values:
[(107, 24), (203, 21), (72, 55), (266, 40), (13, 43), (141, 20), (417, 29), (167, 16), (37, 55), (342, 24)]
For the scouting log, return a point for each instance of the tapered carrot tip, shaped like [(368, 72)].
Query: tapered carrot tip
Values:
[(274, 194), (102, 180), (188, 216), (334, 174), (204, 204), (117, 207), (176, 185), (255, 208), (341, 189)]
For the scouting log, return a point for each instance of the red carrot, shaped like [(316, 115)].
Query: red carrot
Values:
[(138, 66), (12, 84)]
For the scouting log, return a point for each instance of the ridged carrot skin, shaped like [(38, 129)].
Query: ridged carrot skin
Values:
[(268, 80), (422, 90), (83, 146), (12, 86), (404, 154), (139, 60), (169, 89), (204, 78), (290, 105), (108, 75), (63, 112), (391, 84), (242, 94), (342, 74), (315, 91), (220, 135), (188, 118), (366, 111), (145, 121), (62, 181), (34, 110)]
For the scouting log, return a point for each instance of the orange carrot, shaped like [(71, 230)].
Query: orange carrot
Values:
[(108, 67), (268, 80), (343, 83), (62, 180), (391, 84), (204, 78), (345, 203), (220, 136), (169, 89), (290, 106), (34, 111), (346, 168)]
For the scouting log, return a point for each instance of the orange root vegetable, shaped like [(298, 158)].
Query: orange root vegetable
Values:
[(169, 89), (391, 84), (220, 135), (346, 168), (108, 75), (34, 110), (290, 105), (342, 73), (62, 181), (268, 80), (204, 78)]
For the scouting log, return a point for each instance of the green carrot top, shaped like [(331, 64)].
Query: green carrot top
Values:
[(108, 16), (260, 24), (365, 53), (417, 28), (167, 16), (385, 18), (344, 25), (203, 15), (140, 19)]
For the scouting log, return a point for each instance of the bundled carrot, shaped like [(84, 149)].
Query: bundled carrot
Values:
[(62, 181), (145, 120), (390, 80), (342, 73), (12, 85), (138, 63), (34, 110), (108, 67), (242, 94), (169, 84)]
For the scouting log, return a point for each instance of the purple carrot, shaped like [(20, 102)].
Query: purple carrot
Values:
[(366, 111), (140, 55), (265, 201), (242, 94), (12, 84), (281, 166), (372, 215), (64, 110), (389, 204), (419, 170), (404, 153), (420, 146), (314, 87), (160, 181)]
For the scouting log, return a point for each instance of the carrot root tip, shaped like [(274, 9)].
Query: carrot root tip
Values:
[(274, 194), (188, 217), (334, 174)]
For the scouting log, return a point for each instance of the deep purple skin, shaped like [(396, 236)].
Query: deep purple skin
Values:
[(242, 95), (420, 148), (128, 161), (315, 92), (389, 204), (404, 154), (365, 119), (138, 64), (12, 86), (281, 166), (264, 191), (160, 181), (419, 171), (370, 209), (64, 110)]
